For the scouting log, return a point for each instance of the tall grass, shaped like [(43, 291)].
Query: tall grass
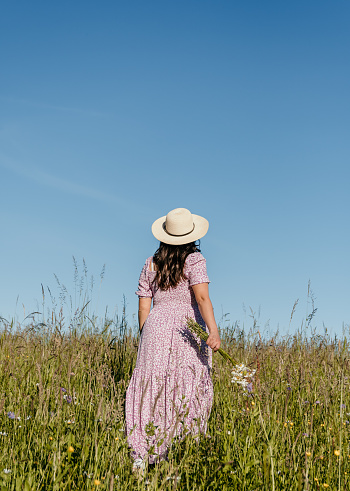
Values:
[(62, 395)]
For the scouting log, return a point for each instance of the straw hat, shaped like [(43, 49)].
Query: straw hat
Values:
[(180, 226)]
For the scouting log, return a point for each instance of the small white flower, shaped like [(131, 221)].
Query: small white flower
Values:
[(172, 478), (28, 417), (3, 433), (7, 471), (139, 464), (229, 433)]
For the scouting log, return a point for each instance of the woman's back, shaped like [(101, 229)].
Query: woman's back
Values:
[(195, 273)]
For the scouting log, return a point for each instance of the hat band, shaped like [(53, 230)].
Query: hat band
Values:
[(177, 235)]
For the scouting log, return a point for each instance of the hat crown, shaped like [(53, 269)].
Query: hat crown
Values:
[(179, 222)]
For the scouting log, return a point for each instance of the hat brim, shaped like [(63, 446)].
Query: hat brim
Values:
[(201, 226)]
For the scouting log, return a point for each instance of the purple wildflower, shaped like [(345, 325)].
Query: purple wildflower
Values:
[(11, 415), (63, 389), (343, 406), (250, 387), (69, 399), (305, 434), (289, 388), (317, 402), (306, 402), (347, 422)]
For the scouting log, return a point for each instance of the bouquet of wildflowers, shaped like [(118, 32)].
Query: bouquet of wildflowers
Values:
[(241, 374)]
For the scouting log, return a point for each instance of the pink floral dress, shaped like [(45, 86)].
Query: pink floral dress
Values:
[(170, 392)]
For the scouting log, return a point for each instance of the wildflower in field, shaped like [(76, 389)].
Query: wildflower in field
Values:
[(305, 434), (317, 402), (308, 454), (337, 452), (3, 433), (11, 415), (229, 433), (69, 421), (325, 485), (289, 388), (343, 406), (97, 482), (89, 476), (70, 449), (63, 389), (50, 438), (6, 471)]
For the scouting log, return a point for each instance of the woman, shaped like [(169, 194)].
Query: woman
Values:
[(170, 392)]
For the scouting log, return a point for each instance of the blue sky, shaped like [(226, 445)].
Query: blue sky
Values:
[(114, 113)]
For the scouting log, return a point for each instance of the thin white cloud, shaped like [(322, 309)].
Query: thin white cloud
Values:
[(64, 185), (26, 102)]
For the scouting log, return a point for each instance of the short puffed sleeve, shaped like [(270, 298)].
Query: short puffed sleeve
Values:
[(145, 289), (196, 269)]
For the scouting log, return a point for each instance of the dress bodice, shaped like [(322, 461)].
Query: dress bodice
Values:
[(195, 272)]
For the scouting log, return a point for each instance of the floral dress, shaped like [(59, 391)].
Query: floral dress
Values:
[(170, 392)]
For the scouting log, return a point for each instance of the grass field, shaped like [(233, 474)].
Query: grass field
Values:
[(62, 391)]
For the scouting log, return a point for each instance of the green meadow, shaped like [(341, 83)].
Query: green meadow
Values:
[(62, 393)]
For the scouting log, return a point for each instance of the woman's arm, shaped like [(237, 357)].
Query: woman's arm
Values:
[(144, 309), (201, 292)]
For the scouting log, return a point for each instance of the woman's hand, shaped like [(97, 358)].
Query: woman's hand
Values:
[(214, 341)]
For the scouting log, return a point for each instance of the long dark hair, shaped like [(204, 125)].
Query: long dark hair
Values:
[(170, 261)]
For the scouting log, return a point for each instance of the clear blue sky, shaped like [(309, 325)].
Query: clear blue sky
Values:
[(114, 113)]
